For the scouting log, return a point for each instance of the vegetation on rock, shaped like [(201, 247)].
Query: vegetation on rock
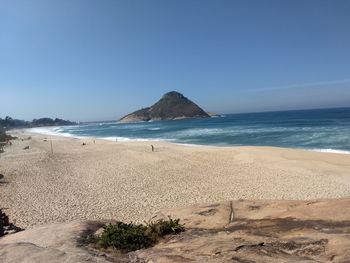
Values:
[(5, 137), (10, 123), (130, 237), (5, 226), (51, 122)]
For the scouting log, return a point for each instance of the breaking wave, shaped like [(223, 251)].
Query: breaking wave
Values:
[(318, 130)]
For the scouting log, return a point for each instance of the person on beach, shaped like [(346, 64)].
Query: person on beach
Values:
[(152, 147)]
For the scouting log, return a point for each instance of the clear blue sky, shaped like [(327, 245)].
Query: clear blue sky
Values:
[(97, 60)]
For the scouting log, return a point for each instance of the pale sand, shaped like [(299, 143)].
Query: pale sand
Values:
[(126, 181)]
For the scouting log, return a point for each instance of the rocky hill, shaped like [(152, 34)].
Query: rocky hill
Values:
[(10, 123), (173, 105), (51, 122)]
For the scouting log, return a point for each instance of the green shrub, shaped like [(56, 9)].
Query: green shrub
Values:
[(125, 237), (130, 237), (4, 137), (5, 226), (166, 227)]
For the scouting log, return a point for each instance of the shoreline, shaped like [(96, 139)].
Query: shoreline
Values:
[(127, 181), (125, 139)]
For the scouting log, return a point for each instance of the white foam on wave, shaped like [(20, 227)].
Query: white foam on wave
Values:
[(54, 131), (45, 130), (154, 129), (193, 145), (122, 139), (331, 151), (198, 132), (57, 131), (127, 139)]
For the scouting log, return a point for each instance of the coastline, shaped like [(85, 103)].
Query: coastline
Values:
[(129, 182), (45, 131)]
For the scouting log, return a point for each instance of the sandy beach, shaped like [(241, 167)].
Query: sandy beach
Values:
[(129, 182)]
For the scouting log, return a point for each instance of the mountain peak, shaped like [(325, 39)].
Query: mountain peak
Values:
[(172, 105), (173, 95)]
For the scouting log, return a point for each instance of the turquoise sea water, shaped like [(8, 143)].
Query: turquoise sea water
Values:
[(323, 130)]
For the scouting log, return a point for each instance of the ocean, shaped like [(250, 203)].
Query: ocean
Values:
[(325, 130)]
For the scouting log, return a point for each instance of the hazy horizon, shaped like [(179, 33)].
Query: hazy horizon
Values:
[(92, 60), (219, 113)]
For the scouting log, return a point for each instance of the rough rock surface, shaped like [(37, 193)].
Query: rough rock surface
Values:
[(236, 231), (172, 105)]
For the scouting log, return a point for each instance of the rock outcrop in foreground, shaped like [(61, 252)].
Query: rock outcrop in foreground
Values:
[(236, 231), (171, 106)]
